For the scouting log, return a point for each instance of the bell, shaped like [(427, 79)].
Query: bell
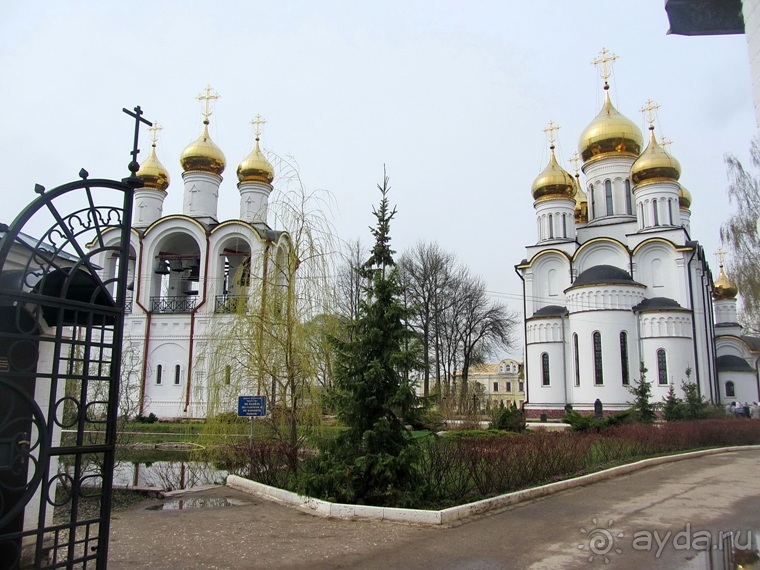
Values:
[(195, 273), (176, 265), (163, 267)]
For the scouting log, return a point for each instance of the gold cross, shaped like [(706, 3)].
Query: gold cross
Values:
[(649, 109), (720, 254), (665, 143), (154, 132), (551, 129), (576, 160), (208, 95), (257, 122), (604, 63)]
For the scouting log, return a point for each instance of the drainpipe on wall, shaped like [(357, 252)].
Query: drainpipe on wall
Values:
[(525, 339), (149, 315), (694, 324), (192, 326)]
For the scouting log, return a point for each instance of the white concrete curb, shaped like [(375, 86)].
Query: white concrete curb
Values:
[(460, 512)]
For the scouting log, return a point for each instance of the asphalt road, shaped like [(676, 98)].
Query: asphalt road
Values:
[(659, 517)]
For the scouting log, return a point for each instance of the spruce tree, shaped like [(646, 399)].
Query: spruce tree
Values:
[(642, 393), (372, 461)]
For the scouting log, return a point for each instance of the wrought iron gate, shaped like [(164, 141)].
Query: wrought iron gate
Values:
[(62, 301)]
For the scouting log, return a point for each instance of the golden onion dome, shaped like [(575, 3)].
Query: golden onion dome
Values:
[(152, 172), (554, 182), (203, 155), (610, 133), (655, 164), (684, 198), (255, 167), (724, 289)]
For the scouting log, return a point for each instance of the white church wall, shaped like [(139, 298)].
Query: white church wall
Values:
[(555, 391), (601, 251), (551, 276), (745, 387), (655, 266), (609, 324), (679, 356), (167, 393)]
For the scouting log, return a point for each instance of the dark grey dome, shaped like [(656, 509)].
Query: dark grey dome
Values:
[(733, 363), (600, 274), (551, 311), (658, 304)]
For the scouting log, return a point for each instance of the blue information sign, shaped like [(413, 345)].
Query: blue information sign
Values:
[(252, 406)]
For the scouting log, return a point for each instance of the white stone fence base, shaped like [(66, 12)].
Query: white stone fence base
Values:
[(458, 513)]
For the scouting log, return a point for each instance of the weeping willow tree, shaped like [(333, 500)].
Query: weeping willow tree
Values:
[(269, 342), (740, 234)]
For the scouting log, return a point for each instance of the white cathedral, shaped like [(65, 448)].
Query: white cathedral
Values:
[(190, 272), (616, 283)]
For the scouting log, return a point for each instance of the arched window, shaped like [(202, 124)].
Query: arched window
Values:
[(564, 226), (628, 208), (670, 212), (655, 214), (608, 196), (592, 199), (177, 372), (730, 390), (159, 373), (598, 366), (551, 227), (624, 358), (545, 379), (662, 368), (576, 361), (552, 280)]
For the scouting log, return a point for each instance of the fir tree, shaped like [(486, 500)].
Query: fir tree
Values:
[(642, 393), (372, 460), (672, 406)]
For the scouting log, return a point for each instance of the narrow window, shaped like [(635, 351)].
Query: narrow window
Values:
[(608, 196), (551, 227), (521, 386), (495, 386), (564, 226), (176, 374), (508, 388), (662, 368), (730, 392), (159, 373), (593, 200), (670, 211), (545, 369), (624, 358), (576, 360), (598, 368), (228, 374), (628, 208), (656, 215)]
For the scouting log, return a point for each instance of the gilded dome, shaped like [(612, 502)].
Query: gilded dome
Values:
[(203, 155), (554, 182), (655, 164), (152, 172), (684, 198), (610, 133), (255, 167), (724, 289)]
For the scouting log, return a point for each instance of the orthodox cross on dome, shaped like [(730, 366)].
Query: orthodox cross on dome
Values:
[(207, 96), (154, 132), (665, 143), (257, 122), (575, 159), (137, 115), (720, 254), (650, 112), (551, 132), (604, 63)]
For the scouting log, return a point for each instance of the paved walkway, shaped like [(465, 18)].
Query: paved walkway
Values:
[(572, 529)]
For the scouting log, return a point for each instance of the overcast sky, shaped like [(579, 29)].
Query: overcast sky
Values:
[(451, 96)]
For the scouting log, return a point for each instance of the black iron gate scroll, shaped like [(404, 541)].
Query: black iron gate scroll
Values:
[(62, 298)]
